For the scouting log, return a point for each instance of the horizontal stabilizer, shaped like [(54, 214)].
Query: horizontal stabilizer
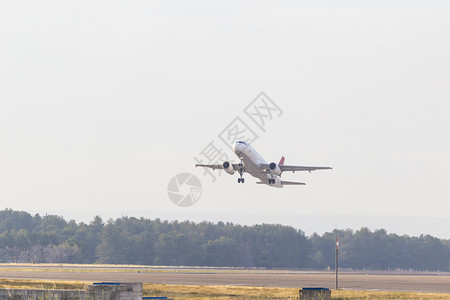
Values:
[(292, 183), (286, 183)]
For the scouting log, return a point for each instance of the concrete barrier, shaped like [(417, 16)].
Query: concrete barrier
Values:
[(113, 290), (97, 291), (315, 294), (24, 294)]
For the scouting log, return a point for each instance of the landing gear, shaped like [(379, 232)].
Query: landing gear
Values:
[(241, 172), (271, 181)]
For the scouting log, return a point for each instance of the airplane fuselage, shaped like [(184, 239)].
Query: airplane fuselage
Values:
[(252, 161)]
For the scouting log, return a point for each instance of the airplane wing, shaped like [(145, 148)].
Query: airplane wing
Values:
[(214, 167), (210, 166), (285, 168)]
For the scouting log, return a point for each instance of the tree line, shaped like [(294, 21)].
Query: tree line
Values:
[(129, 240)]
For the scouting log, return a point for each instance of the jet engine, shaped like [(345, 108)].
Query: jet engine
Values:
[(274, 168), (228, 168), (278, 183), (274, 181)]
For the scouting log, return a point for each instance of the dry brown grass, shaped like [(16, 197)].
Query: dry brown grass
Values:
[(42, 284), (346, 294), (219, 292), (199, 292)]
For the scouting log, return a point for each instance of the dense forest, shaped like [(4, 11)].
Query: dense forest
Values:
[(127, 240)]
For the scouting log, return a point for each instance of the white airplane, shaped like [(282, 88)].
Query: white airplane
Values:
[(255, 165)]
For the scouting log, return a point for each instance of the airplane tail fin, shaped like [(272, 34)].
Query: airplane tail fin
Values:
[(281, 161)]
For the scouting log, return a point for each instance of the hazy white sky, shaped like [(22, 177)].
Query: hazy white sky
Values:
[(103, 102)]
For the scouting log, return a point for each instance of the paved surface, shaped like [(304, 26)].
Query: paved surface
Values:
[(394, 282)]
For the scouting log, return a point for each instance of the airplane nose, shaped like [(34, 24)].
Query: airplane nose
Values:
[(237, 148)]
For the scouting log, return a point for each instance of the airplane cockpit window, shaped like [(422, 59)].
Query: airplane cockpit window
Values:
[(241, 142)]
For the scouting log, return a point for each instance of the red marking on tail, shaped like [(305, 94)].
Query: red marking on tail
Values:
[(281, 161)]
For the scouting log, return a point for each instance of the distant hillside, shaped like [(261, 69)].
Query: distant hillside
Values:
[(52, 239)]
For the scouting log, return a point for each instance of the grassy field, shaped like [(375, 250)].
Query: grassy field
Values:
[(199, 292)]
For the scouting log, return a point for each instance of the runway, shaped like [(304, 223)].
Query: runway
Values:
[(387, 282)]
